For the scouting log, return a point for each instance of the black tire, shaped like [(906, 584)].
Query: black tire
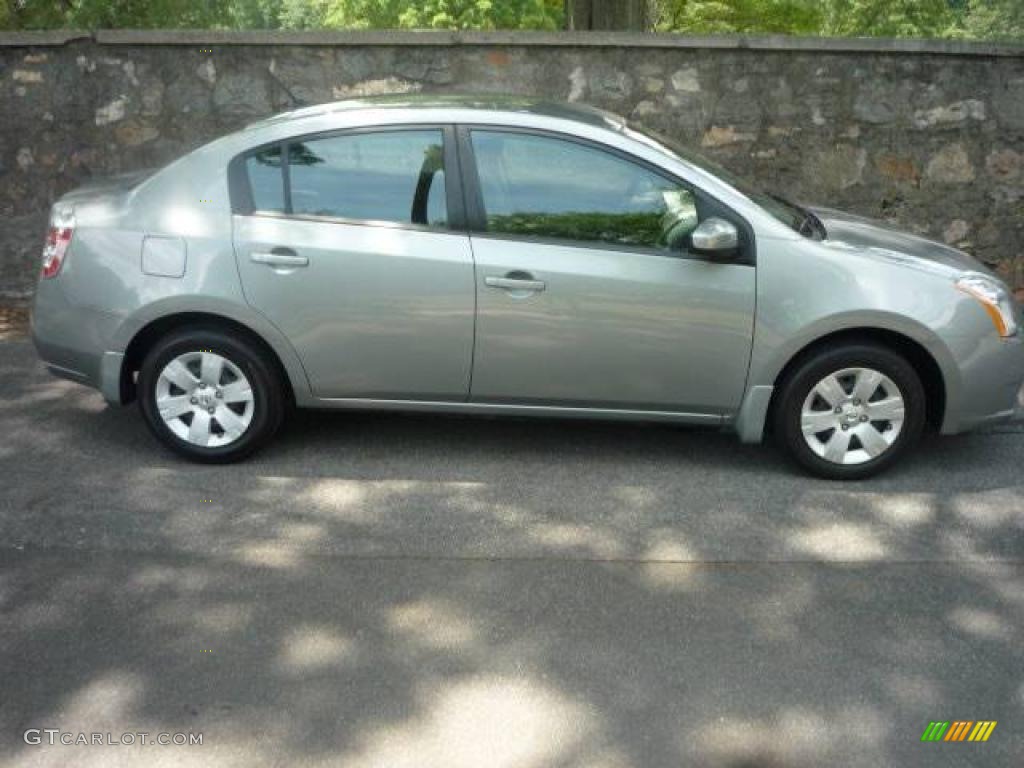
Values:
[(268, 404), (799, 382)]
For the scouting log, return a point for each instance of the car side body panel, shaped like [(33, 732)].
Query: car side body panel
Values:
[(612, 329), (376, 312), (104, 298), (809, 290), (234, 311)]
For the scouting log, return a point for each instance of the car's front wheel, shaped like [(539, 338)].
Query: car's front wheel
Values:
[(210, 395), (850, 411)]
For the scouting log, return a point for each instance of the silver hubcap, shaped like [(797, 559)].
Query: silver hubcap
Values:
[(852, 416), (204, 399)]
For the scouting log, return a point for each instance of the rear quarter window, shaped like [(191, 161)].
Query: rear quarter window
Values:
[(388, 176)]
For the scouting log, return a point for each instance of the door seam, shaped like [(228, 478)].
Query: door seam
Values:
[(476, 314), (463, 192)]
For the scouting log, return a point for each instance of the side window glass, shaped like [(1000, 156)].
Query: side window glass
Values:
[(265, 180), (555, 188), (390, 176)]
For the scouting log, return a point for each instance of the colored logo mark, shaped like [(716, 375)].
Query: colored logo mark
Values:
[(958, 730)]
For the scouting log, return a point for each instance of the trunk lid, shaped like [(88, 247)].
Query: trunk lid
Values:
[(107, 186)]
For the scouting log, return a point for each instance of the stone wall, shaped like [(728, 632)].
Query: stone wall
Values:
[(929, 135)]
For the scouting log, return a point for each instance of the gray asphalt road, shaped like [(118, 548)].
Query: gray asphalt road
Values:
[(409, 591)]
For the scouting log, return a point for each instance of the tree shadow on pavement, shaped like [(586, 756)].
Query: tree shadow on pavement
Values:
[(392, 591)]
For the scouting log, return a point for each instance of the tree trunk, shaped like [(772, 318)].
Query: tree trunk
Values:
[(606, 14)]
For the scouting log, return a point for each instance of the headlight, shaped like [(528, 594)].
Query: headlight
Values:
[(994, 298)]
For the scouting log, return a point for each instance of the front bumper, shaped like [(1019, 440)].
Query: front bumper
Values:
[(991, 385)]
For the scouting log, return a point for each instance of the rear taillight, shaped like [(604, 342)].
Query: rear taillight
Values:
[(58, 238)]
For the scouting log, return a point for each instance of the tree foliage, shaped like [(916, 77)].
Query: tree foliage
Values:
[(792, 17), (445, 14), (283, 14), (889, 18), (966, 19), (854, 18), (993, 20), (484, 14), (94, 14)]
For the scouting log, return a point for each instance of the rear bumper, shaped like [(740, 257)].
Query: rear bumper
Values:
[(72, 341)]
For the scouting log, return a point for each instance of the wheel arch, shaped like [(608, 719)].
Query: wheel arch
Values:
[(145, 333), (927, 367)]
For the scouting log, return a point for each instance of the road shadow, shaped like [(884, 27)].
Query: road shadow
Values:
[(416, 662), (381, 590)]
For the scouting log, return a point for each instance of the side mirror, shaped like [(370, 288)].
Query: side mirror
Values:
[(715, 236)]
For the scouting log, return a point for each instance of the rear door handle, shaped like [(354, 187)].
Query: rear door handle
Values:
[(279, 258), (515, 283)]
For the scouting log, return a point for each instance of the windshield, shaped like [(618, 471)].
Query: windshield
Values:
[(788, 213)]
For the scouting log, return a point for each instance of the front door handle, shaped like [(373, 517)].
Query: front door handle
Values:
[(279, 257), (515, 283)]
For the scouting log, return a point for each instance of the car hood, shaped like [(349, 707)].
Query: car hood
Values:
[(881, 239)]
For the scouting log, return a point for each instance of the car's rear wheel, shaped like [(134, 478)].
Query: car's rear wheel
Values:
[(210, 395), (851, 411)]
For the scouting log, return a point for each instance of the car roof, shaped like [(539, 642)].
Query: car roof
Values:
[(486, 104)]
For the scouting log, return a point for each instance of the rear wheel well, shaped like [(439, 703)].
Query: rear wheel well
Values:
[(924, 365), (147, 336)]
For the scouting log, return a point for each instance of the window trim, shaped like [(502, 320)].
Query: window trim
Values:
[(476, 213), (240, 189)]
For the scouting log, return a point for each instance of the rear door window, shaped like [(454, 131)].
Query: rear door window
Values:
[(393, 176), (265, 180), (390, 176)]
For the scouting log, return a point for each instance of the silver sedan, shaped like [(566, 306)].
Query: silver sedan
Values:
[(505, 256)]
